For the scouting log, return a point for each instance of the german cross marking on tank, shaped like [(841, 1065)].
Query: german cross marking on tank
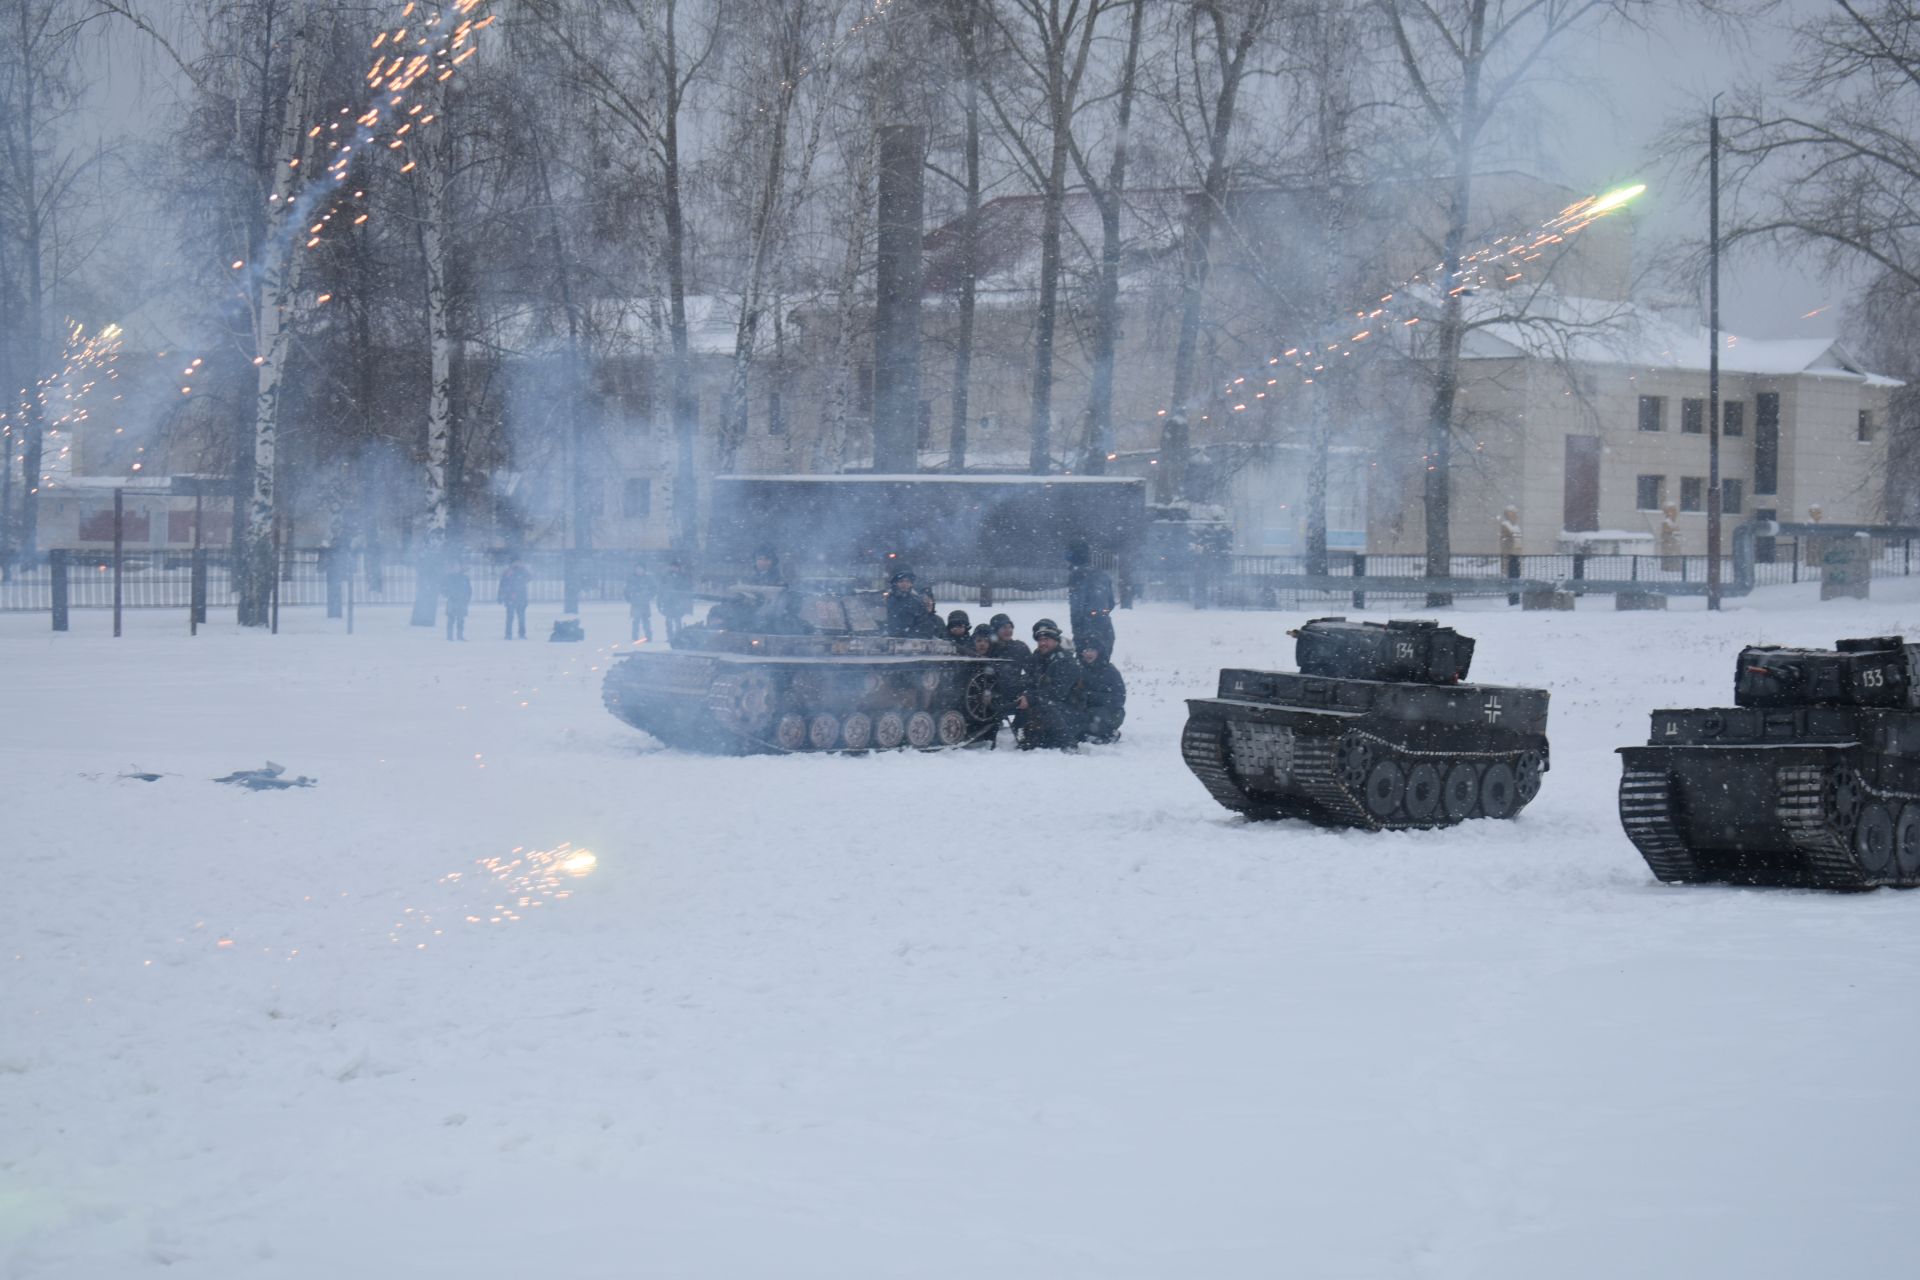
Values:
[(1493, 708)]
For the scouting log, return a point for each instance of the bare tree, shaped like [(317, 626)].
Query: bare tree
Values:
[(1465, 64), (1222, 36), (1052, 40)]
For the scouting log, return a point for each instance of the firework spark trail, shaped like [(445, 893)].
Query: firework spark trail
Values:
[(1499, 262), (61, 400), (517, 882), (426, 47)]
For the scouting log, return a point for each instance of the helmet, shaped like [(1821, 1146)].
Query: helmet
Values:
[(1046, 627), (902, 573), (1079, 553), (1000, 620), (983, 632), (1089, 642), (959, 618)]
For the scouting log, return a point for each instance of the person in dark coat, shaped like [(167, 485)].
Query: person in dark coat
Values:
[(513, 594), (640, 592), (960, 631), (1103, 694), (676, 597), (457, 587), (1050, 701), (980, 643), (766, 569), (909, 610), (1004, 645), (1090, 598)]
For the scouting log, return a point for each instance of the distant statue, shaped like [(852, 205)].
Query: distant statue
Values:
[(1670, 537)]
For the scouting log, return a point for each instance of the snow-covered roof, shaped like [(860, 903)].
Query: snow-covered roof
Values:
[(1590, 331), (936, 478)]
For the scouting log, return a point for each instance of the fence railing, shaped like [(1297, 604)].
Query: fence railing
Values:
[(310, 577)]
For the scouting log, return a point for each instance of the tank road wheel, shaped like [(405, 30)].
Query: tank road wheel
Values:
[(979, 699), (1874, 841), (857, 731), (1386, 785), (824, 732), (790, 731), (1499, 795), (890, 730), (1526, 777), (1461, 793), (953, 729), (1906, 844), (1354, 758), (1423, 792), (921, 730), (744, 702)]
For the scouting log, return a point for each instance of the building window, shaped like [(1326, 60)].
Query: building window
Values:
[(638, 503), (1731, 496), (863, 391), (1864, 431), (1693, 417), (776, 415), (1653, 413), (1648, 492), (1733, 418), (1693, 493)]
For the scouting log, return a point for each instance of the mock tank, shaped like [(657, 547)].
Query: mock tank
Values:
[(778, 669), (1376, 730), (1811, 778)]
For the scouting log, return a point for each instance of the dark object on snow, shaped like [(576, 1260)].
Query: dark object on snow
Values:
[(789, 669), (1375, 731), (567, 629), (1804, 781), (269, 777), (145, 777)]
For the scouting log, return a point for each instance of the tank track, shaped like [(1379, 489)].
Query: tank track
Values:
[(1647, 812), (1827, 821), (1334, 770)]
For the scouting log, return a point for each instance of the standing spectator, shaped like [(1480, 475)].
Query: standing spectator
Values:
[(457, 587), (676, 597), (640, 593), (1089, 598), (513, 594), (1050, 702), (1103, 694)]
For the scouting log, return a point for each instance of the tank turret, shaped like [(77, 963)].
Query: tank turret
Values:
[(1376, 730), (810, 668), (1811, 778)]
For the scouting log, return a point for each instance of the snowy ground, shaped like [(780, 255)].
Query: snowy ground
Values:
[(964, 1015)]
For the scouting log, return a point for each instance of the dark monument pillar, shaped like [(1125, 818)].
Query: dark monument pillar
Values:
[(896, 319)]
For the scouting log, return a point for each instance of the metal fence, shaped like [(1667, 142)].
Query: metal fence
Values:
[(308, 577)]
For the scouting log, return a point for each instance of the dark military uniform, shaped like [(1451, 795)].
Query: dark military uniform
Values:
[(1054, 704), (910, 611), (640, 593), (1090, 606), (1104, 696), (676, 597)]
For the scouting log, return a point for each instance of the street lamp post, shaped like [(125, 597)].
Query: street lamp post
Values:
[(1713, 353)]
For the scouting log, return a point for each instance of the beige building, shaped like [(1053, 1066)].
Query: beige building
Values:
[(1598, 439)]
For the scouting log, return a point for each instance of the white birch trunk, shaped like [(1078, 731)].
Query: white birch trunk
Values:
[(432, 549), (273, 305)]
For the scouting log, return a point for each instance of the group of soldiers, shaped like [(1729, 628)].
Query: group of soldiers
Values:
[(457, 586), (1059, 697)]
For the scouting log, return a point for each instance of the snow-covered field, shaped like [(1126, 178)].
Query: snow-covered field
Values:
[(979, 1014)]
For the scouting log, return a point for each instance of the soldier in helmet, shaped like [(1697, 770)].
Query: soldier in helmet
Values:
[(1103, 694), (766, 569), (1050, 702), (960, 631), (980, 643)]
